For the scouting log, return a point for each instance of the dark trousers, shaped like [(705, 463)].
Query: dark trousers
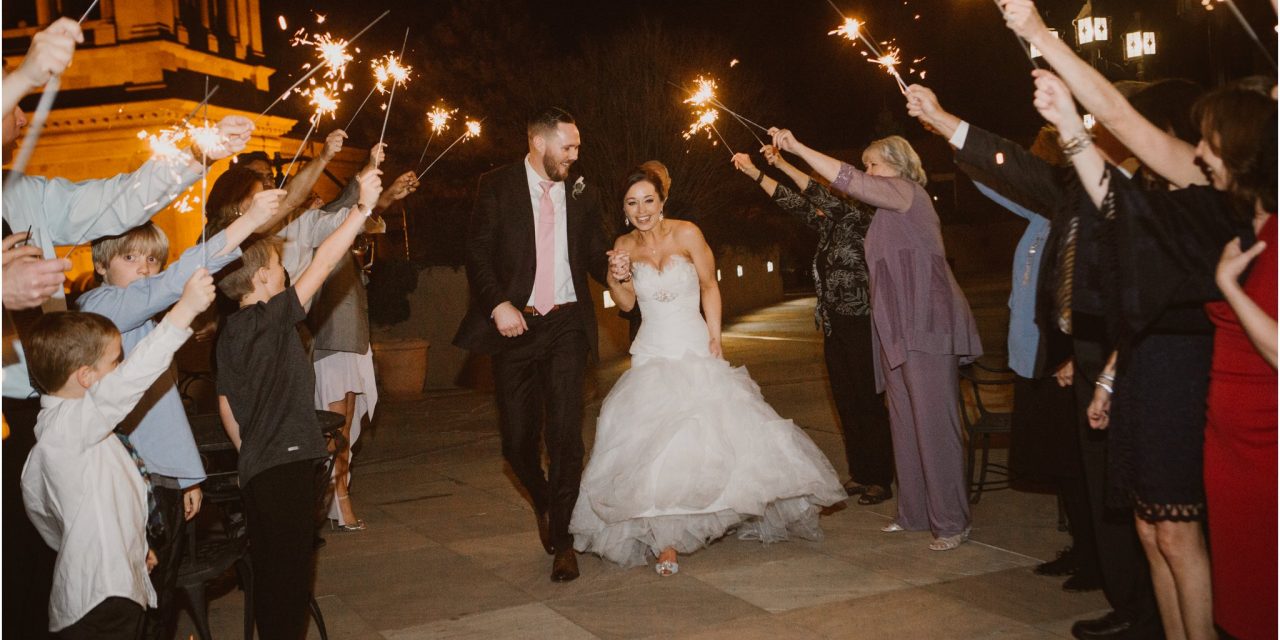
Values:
[(868, 446), (28, 561), (1126, 579), (161, 621), (113, 619), (280, 510), (538, 381)]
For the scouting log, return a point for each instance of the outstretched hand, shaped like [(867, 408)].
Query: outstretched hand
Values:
[(784, 140), (333, 144), (235, 132), (404, 184), (50, 52), (742, 162), (370, 181)]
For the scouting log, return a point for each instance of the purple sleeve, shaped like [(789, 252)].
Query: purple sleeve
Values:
[(894, 194)]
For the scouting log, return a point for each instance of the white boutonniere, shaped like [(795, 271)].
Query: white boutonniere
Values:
[(579, 186)]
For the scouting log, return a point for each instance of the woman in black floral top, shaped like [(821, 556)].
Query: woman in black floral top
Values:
[(843, 313)]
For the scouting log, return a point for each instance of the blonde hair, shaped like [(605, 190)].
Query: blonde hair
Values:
[(239, 283), (147, 240), (898, 154)]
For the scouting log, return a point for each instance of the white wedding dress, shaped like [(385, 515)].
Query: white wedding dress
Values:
[(687, 448)]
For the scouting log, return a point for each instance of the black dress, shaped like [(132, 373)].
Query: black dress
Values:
[(1157, 251)]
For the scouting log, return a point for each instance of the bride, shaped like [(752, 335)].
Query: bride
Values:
[(686, 448)]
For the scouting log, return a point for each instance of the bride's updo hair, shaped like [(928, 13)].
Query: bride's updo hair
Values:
[(643, 173)]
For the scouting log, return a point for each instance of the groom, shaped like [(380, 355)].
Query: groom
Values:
[(534, 236)]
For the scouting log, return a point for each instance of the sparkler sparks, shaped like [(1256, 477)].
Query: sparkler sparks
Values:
[(388, 69), (850, 30), (705, 121), (472, 131), (439, 118)]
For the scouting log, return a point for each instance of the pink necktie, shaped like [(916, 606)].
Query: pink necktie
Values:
[(544, 280)]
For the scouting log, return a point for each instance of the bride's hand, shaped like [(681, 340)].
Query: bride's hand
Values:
[(619, 265), (714, 348)]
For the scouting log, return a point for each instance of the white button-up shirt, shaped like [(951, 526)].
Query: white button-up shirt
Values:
[(564, 277), (84, 493)]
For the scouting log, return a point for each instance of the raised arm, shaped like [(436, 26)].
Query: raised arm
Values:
[(299, 187), (335, 247), (894, 194), (117, 392), (786, 199), (49, 55), (71, 212), (1161, 152), (689, 237), (1054, 102)]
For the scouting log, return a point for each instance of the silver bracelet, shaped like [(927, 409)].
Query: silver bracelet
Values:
[(1077, 144), (1105, 386), (1106, 377)]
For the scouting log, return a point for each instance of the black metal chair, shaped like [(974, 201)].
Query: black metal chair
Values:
[(980, 429)]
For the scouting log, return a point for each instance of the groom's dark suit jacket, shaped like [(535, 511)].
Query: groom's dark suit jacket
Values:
[(502, 254)]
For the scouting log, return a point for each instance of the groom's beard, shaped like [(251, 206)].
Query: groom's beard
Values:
[(556, 170)]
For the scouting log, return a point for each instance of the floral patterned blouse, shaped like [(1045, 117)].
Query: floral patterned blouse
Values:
[(839, 266)]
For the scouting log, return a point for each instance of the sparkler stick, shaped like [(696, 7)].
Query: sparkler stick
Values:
[(1022, 43), (854, 30), (705, 95), (353, 116), (318, 67), (1248, 29), (396, 80), (439, 118), (473, 130), (285, 175), (204, 185), (86, 11)]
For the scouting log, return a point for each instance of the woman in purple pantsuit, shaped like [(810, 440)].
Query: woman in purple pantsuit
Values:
[(922, 330)]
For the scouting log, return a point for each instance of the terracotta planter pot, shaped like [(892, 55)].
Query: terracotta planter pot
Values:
[(401, 365)]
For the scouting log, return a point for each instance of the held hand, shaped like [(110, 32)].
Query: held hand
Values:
[(152, 561), (50, 52), (772, 156), (714, 347), (333, 144), (1099, 411), (1065, 374), (370, 188), (1232, 263), (376, 155), (197, 295), (405, 184), (619, 265), (784, 140), (265, 207), (1054, 102), (922, 104), (236, 132), (28, 279), (743, 163), (509, 320), (1022, 18), (191, 500)]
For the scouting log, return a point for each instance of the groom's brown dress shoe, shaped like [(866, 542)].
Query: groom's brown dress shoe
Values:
[(565, 567), (544, 530)]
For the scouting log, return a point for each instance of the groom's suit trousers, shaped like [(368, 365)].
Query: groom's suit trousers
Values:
[(538, 382)]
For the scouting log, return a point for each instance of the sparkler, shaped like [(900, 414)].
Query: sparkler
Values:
[(472, 131), (438, 117), (705, 96), (324, 63), (706, 121), (854, 30), (325, 105), (396, 75)]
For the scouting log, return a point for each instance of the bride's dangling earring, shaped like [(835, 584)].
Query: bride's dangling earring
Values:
[(626, 222), (661, 217)]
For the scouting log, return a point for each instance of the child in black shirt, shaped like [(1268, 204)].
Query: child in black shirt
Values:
[(266, 389)]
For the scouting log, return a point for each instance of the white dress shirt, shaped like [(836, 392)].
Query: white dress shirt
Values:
[(84, 493), (564, 277)]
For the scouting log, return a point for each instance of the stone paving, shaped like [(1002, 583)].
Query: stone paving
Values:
[(452, 551)]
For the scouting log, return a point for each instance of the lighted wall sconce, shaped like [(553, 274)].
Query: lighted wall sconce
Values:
[(768, 266), (608, 300), (739, 271), (1092, 29), (1138, 44)]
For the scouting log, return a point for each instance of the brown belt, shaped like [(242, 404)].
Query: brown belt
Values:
[(530, 311)]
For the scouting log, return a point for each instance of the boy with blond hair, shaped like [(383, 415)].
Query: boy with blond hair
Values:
[(132, 292), (84, 488)]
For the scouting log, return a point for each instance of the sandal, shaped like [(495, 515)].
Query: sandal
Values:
[(892, 527), (667, 569), (350, 527), (950, 542)]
